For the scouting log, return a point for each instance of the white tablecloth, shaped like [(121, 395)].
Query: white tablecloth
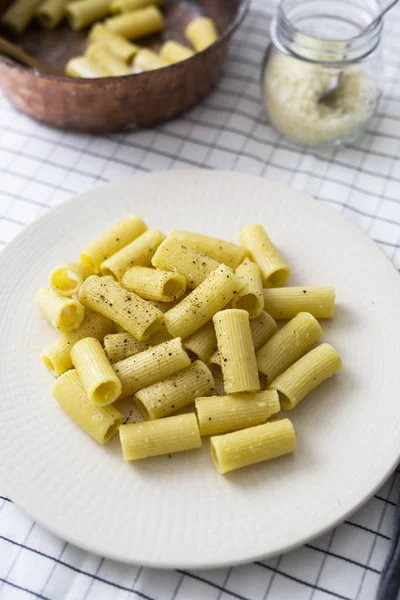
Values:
[(42, 167)]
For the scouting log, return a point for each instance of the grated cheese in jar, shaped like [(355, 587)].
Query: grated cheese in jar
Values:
[(292, 88)]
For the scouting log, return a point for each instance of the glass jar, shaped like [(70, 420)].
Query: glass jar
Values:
[(316, 43)]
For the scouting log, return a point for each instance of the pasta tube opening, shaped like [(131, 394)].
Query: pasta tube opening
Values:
[(49, 364), (153, 327), (142, 409), (65, 314), (105, 392), (278, 279), (249, 302), (173, 288), (70, 318), (64, 280), (111, 431)]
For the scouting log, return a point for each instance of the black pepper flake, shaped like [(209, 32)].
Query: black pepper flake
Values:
[(209, 418), (304, 291)]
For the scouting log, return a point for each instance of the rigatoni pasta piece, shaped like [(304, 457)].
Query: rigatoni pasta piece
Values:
[(174, 393), (154, 284), (220, 250), (262, 329), (150, 366), (164, 436), (100, 422), (251, 297), (199, 307), (118, 346), (287, 302), (193, 265), (86, 67), (147, 60), (253, 445), (118, 45), (50, 13), (238, 358), (137, 24), (102, 54), (66, 279), (287, 345), (57, 356), (65, 314), (106, 296), (201, 33), (98, 378), (19, 14), (137, 253), (173, 52), (118, 6), (202, 343), (122, 345), (85, 12), (274, 270), (306, 374), (112, 240), (222, 414), (159, 337)]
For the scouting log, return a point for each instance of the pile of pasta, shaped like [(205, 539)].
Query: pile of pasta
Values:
[(110, 50), (160, 319)]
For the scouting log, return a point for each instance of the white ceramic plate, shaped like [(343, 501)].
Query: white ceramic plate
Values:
[(179, 512)]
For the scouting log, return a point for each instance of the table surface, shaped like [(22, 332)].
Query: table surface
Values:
[(42, 167)]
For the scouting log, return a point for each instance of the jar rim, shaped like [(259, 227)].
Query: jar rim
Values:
[(302, 43)]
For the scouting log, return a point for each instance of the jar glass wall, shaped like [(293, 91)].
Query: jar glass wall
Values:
[(317, 44)]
